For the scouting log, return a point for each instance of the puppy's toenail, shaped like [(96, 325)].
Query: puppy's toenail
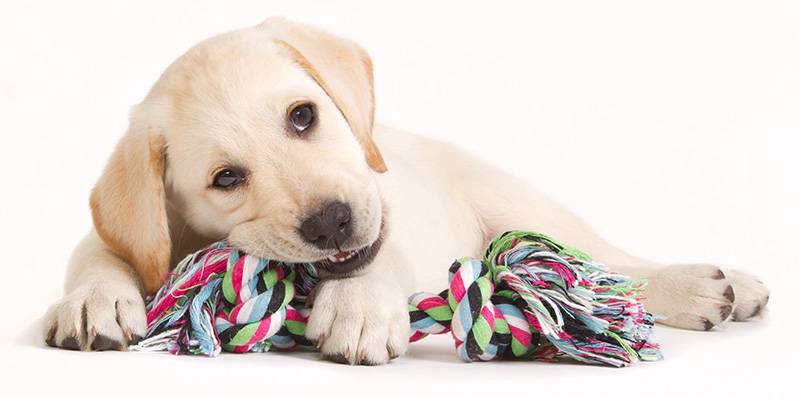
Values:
[(718, 275), (338, 358), (729, 295), (103, 343), (320, 342), (135, 339), (707, 325), (51, 338), (756, 311), (351, 359), (369, 363), (725, 311), (70, 343)]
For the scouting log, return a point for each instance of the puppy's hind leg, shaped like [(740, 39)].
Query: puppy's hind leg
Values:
[(694, 296)]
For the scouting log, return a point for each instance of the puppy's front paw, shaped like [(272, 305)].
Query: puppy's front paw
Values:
[(691, 296), (94, 318), (359, 321)]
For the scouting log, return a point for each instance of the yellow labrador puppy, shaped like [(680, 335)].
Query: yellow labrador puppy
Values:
[(265, 137)]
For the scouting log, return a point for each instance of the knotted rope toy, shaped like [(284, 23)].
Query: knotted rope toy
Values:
[(531, 297)]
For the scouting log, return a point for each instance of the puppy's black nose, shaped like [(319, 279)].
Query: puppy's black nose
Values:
[(328, 228)]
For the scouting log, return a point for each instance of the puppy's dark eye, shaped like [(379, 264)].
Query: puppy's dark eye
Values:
[(302, 116), (228, 178)]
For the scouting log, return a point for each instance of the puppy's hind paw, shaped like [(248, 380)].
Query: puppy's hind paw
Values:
[(691, 296), (752, 295)]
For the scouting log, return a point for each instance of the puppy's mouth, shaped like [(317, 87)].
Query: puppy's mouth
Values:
[(346, 262)]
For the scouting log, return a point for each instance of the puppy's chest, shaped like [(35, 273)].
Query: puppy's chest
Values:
[(430, 227)]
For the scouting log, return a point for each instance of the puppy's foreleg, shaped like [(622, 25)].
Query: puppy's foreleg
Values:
[(363, 319), (102, 307)]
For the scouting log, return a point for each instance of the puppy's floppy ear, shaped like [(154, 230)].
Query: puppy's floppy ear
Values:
[(341, 68), (129, 208)]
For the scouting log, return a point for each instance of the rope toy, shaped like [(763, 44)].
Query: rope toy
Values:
[(531, 297)]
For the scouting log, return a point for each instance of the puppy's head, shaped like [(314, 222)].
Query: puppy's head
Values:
[(260, 136)]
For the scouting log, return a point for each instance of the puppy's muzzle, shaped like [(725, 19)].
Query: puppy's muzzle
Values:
[(330, 228)]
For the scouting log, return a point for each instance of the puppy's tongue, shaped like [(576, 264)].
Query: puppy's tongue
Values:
[(342, 256)]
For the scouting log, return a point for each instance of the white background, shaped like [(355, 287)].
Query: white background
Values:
[(670, 126)]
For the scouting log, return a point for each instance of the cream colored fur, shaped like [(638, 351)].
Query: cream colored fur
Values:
[(225, 101)]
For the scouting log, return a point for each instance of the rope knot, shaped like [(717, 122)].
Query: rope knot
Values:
[(223, 299), (534, 298)]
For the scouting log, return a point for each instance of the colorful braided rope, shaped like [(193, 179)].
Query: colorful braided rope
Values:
[(534, 298), (220, 298), (529, 298)]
